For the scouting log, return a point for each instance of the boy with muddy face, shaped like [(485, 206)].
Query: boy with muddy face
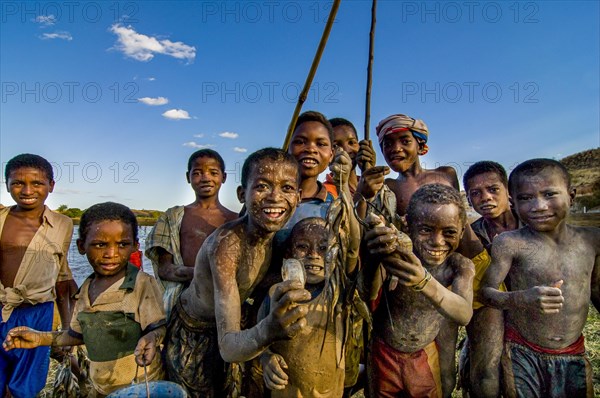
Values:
[(553, 269), (435, 283), (306, 365), (205, 328)]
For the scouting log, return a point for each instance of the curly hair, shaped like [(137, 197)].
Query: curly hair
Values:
[(107, 211), (435, 194)]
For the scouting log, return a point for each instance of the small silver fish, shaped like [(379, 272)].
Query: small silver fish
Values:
[(293, 269)]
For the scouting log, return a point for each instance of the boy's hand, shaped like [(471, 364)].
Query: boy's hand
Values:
[(145, 350), (22, 337), (372, 180), (273, 373), (287, 317), (341, 166), (547, 299), (406, 267), (381, 240), (365, 157)]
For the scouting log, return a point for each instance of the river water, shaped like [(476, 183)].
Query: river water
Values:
[(81, 267)]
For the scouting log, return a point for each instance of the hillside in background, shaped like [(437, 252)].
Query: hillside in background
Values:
[(584, 168)]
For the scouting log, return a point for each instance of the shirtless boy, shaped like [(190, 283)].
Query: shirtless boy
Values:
[(34, 243), (402, 140), (553, 269), (434, 283), (205, 328), (486, 186), (175, 239)]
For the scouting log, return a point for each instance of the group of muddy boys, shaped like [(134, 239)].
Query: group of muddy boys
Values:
[(316, 288)]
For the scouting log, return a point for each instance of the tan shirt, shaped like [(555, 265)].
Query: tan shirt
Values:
[(137, 294), (44, 263)]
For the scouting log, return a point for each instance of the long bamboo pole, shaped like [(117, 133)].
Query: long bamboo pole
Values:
[(370, 69), (311, 73)]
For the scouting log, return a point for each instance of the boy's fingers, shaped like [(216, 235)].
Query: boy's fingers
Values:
[(296, 327), (284, 287), (557, 284)]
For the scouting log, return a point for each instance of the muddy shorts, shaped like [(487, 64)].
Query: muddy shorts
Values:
[(24, 371), (530, 373), (393, 373), (191, 355)]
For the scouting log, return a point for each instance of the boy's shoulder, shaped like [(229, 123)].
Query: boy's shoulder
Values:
[(590, 235), (227, 234), (54, 217), (459, 263)]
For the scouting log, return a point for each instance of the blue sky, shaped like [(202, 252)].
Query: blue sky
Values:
[(119, 94)]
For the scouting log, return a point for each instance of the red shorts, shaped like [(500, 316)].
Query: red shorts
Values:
[(391, 372)]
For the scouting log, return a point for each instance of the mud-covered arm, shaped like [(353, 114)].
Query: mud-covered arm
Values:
[(596, 283), (285, 318), (456, 305), (502, 258), (545, 299)]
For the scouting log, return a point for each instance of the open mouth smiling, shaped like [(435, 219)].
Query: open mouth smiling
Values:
[(274, 212)]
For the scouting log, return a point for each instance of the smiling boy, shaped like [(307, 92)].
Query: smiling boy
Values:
[(34, 243), (178, 234), (435, 283), (554, 270), (206, 324), (308, 364)]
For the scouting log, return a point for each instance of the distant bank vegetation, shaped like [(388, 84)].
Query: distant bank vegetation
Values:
[(144, 217)]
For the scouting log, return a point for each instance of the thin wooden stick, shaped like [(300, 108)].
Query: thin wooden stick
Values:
[(311, 73), (370, 69)]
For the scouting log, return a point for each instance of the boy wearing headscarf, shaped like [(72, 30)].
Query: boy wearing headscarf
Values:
[(402, 140)]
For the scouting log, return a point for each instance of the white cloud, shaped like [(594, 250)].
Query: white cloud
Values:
[(142, 48), (198, 135), (176, 114), (151, 79), (240, 150), (57, 35), (153, 101), (227, 134), (45, 20), (193, 144)]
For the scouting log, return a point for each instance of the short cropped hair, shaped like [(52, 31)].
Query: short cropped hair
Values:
[(107, 211), (206, 153), (534, 166), (340, 121), (29, 160), (435, 194), (272, 154), (485, 166), (314, 116)]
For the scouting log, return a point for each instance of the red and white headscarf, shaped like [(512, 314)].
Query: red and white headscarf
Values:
[(399, 122)]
